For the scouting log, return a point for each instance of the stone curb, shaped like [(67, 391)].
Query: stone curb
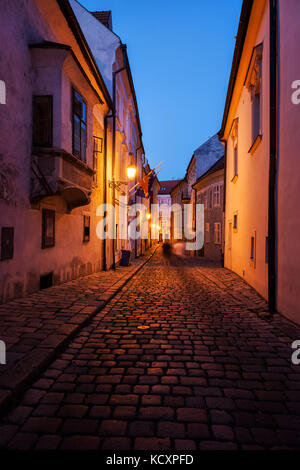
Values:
[(16, 380)]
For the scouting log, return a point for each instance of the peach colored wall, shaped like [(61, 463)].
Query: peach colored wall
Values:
[(248, 196), (288, 227)]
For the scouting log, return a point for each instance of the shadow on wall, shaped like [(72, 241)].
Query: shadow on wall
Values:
[(15, 287)]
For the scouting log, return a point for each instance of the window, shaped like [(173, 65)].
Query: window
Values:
[(42, 121), (234, 137), (7, 243), (204, 199), (211, 195), (217, 195), (79, 126), (255, 115), (253, 83), (230, 236), (86, 228), (48, 228), (218, 233), (235, 161), (235, 222), (207, 232), (252, 248)]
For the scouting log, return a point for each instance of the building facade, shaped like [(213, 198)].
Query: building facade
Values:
[(127, 146), (209, 191), (259, 129), (184, 193), (56, 104), (165, 202), (69, 130)]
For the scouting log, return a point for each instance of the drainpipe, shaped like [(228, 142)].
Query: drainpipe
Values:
[(135, 196), (114, 145), (272, 259), (195, 215), (224, 201), (105, 182)]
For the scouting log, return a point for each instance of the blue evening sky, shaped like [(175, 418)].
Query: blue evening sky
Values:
[(180, 55)]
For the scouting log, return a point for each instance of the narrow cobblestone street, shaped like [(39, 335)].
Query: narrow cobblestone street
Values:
[(209, 370)]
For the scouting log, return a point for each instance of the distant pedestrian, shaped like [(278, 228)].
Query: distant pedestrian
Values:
[(179, 253), (167, 252)]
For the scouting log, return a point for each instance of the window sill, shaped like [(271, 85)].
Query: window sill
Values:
[(234, 179), (255, 144)]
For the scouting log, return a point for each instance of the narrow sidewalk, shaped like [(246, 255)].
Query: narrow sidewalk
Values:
[(36, 328)]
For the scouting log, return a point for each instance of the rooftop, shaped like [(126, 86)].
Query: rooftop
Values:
[(167, 186), (104, 17)]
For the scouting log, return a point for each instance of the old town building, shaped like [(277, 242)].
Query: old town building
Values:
[(66, 142), (127, 146), (209, 189), (165, 202), (203, 158), (260, 130)]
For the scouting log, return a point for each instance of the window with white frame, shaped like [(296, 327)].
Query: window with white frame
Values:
[(217, 195), (207, 231), (218, 236)]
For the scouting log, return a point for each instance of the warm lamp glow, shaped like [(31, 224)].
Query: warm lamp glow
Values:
[(131, 172), (148, 216)]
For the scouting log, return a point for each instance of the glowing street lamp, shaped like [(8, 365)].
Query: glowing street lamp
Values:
[(131, 172)]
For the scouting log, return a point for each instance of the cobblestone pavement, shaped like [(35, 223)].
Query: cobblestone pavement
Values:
[(37, 327), (211, 371)]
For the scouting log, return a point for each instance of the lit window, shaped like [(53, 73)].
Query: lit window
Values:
[(48, 228), (86, 228), (207, 232), (218, 233)]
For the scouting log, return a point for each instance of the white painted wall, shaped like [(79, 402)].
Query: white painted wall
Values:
[(103, 42)]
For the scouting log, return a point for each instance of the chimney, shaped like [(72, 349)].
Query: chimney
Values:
[(104, 17)]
